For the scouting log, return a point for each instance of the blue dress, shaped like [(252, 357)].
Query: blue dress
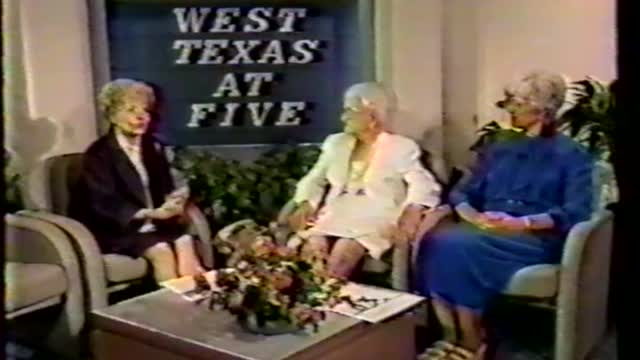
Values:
[(462, 264)]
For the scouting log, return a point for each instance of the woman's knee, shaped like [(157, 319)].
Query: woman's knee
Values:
[(345, 256), (316, 245), (184, 240), (159, 250)]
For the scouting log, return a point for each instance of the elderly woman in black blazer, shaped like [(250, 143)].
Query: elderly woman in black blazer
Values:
[(125, 194)]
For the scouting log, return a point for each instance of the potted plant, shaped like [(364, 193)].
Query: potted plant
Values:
[(229, 190), (272, 290), (13, 194)]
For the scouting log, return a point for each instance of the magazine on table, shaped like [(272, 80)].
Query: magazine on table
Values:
[(371, 304), (374, 304), (186, 286)]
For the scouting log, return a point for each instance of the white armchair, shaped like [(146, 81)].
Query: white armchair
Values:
[(578, 287), (102, 274), (42, 271)]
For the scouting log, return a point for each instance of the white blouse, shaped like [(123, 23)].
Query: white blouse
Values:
[(134, 153)]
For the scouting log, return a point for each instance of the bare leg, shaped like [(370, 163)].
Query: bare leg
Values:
[(447, 320), (441, 349), (162, 261), (345, 256), (471, 328), (315, 246), (188, 262)]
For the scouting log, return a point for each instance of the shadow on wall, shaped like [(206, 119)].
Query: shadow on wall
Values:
[(428, 135), (29, 140)]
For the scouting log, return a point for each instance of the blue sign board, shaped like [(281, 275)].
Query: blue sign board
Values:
[(242, 72)]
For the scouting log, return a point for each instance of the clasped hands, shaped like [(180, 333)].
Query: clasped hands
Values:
[(497, 220), (406, 228), (173, 206)]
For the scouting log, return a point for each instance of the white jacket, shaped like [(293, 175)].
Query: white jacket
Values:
[(395, 172)]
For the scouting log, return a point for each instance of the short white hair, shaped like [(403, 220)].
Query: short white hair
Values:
[(544, 90), (373, 95)]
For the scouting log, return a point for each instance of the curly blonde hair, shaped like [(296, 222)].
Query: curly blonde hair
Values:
[(119, 92)]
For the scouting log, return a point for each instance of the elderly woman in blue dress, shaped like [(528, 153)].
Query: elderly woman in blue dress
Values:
[(367, 187), (520, 202)]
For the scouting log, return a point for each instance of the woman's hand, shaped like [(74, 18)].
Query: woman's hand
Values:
[(301, 216), (171, 208), (409, 222), (393, 233), (503, 221), (473, 216)]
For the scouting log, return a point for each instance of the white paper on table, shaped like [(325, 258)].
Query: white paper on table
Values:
[(186, 286), (390, 302)]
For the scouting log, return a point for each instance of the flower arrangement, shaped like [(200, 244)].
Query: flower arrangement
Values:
[(272, 289)]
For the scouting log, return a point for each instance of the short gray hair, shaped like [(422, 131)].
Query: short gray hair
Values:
[(543, 90), (375, 96), (115, 93)]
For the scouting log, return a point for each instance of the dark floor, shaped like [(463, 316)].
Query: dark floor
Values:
[(508, 350)]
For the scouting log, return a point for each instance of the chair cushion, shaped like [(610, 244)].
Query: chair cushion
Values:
[(64, 171), (374, 265), (29, 284), (119, 268), (540, 281)]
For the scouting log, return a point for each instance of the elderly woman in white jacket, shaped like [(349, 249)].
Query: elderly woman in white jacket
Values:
[(367, 189)]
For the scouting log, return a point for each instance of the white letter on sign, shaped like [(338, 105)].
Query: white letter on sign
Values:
[(211, 49), (244, 47), (273, 50), (193, 21), (224, 18), (261, 21), (288, 115), (257, 117), (200, 112), (303, 48), (257, 80), (230, 114), (230, 84), (290, 15), (187, 46)]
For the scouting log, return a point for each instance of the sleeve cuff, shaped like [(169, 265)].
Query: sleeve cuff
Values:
[(560, 219)]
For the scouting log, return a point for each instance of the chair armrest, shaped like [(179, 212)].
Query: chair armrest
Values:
[(30, 240), (198, 225), (86, 246), (581, 318), (430, 221), (286, 211), (404, 254), (400, 267)]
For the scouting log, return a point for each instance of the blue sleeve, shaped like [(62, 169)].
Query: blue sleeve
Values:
[(472, 190), (577, 198)]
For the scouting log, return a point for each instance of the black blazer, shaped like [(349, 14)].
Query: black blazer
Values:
[(109, 190)]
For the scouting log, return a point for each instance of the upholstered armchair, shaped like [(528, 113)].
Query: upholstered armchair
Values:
[(42, 271), (103, 274)]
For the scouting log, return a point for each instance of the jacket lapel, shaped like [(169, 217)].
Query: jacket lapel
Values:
[(127, 172), (339, 167), (377, 158)]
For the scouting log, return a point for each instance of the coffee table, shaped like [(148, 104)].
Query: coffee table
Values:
[(163, 326)]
